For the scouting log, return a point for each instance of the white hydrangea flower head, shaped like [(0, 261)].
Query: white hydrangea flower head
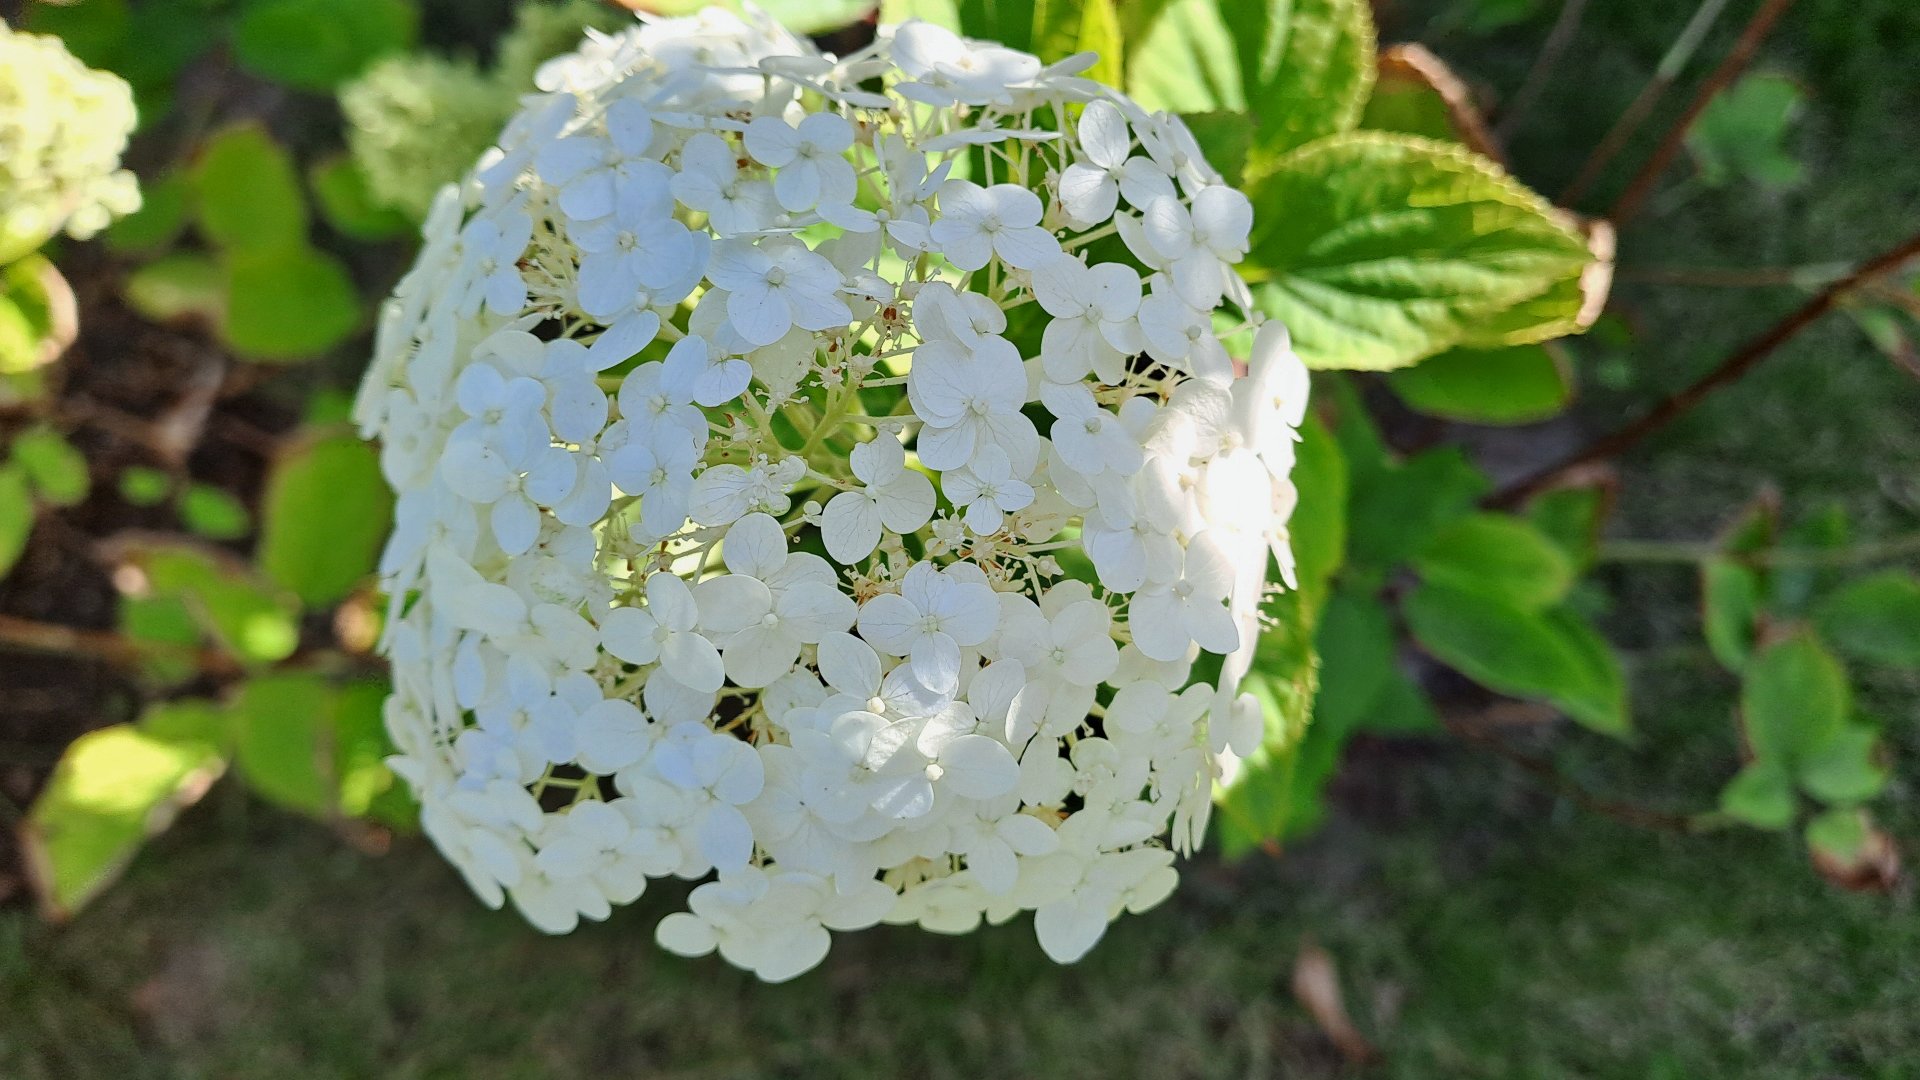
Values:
[(828, 474), (63, 126)]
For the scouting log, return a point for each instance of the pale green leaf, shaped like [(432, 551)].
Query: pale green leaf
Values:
[(214, 513), (1391, 248), (113, 788), (177, 286)]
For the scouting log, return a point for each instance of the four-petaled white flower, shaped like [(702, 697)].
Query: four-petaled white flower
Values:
[(977, 224), (894, 496), (928, 621)]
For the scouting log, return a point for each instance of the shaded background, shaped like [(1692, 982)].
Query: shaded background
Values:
[(1482, 927)]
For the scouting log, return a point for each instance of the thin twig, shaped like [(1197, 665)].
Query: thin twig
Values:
[(102, 645), (1730, 370), (1638, 816), (1736, 62), (1559, 38), (1642, 105)]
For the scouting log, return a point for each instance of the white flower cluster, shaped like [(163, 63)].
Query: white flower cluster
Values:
[(828, 474), (63, 126)]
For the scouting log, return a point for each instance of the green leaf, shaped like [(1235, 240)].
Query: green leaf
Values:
[(1875, 619), (248, 193), (1845, 770), (113, 788), (1319, 531), (1730, 611), (1761, 795), (1553, 656), (213, 513), (324, 516), (1392, 248), (318, 44), (164, 205), (288, 305), (1793, 585), (142, 486), (39, 316), (1395, 511), (1793, 699), (1355, 641), (1417, 94), (347, 205), (178, 286), (1518, 385), (283, 739), (1742, 133), (57, 471), (1225, 139), (1499, 556), (1571, 517), (1273, 792), (1840, 833), (253, 621), (16, 515), (1301, 68)]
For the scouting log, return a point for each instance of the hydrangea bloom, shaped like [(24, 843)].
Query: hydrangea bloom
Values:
[(63, 126), (827, 474)]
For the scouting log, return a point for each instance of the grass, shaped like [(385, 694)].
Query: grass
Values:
[(1483, 928)]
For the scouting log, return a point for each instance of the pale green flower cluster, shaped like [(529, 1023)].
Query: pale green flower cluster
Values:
[(416, 122), (63, 126)]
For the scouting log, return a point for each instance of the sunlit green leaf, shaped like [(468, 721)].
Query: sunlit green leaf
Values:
[(253, 620), (113, 788), (1301, 68), (142, 486), (55, 468), (1393, 248), (324, 516), (16, 515), (214, 513), (283, 739)]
